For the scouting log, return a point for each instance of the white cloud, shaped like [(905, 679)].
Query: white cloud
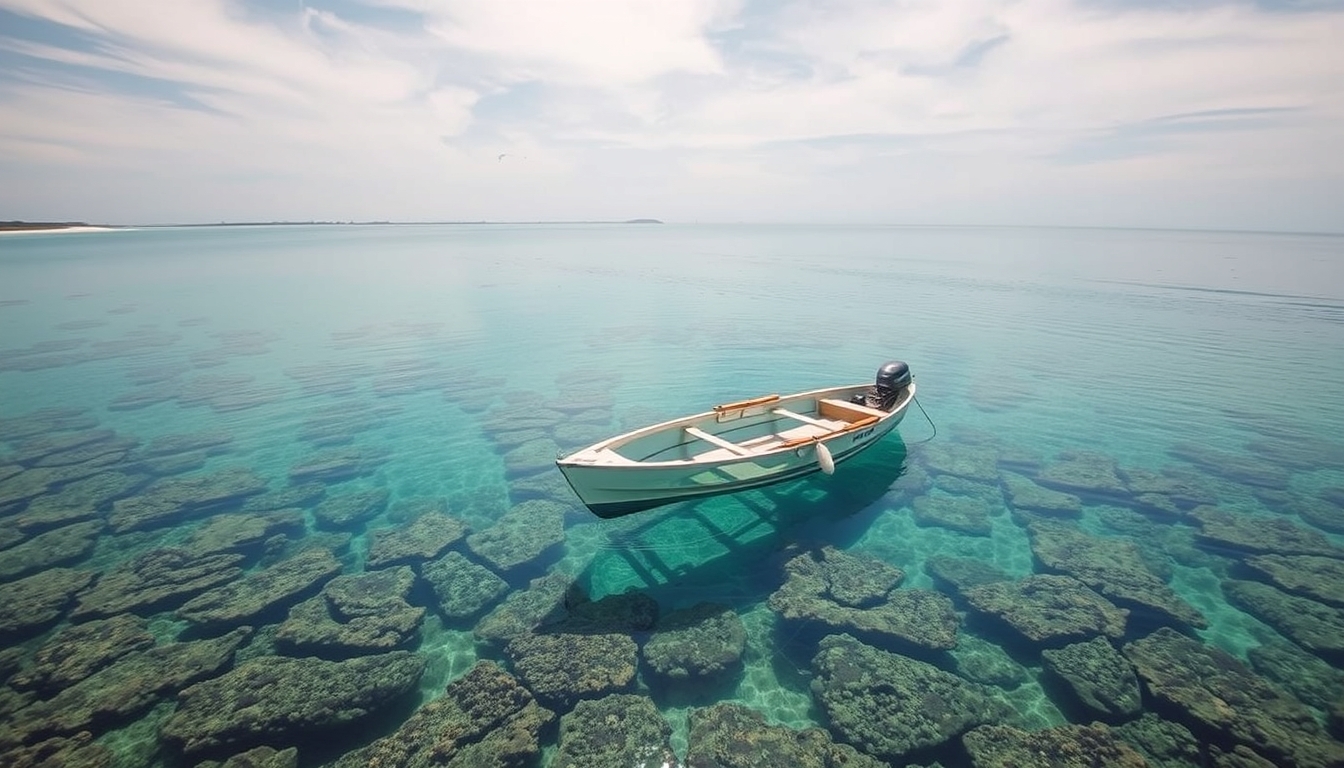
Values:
[(826, 110)]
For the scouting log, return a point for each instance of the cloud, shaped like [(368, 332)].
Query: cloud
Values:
[(985, 111)]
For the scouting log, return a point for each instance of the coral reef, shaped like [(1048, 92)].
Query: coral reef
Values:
[(1049, 610), (620, 729), (525, 534), (562, 668), (1101, 679), (1218, 696), (728, 735), (355, 613), (705, 641), (844, 593), (889, 705), (485, 719), (427, 537), (273, 699), (248, 598), (1065, 746), (462, 587)]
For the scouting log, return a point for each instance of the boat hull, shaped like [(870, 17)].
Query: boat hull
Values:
[(617, 490)]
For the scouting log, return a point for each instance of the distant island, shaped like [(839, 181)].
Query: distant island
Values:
[(38, 226), (24, 226)]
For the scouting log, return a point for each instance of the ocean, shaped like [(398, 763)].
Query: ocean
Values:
[(1142, 424)]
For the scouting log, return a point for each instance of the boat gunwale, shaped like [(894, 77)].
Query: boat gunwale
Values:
[(633, 464)]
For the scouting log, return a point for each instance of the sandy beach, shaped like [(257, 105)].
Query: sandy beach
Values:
[(57, 230)]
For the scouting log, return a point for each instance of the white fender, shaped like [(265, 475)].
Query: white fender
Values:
[(825, 459)]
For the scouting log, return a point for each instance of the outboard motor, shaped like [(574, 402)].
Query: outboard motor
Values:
[(892, 379)]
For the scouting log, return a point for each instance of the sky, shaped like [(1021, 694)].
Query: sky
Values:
[(1150, 113)]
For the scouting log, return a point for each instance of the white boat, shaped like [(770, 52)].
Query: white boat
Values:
[(735, 446)]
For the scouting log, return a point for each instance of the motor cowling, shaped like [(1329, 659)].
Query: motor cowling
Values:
[(892, 378), (893, 375)]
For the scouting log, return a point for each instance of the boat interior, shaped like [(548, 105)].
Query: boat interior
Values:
[(745, 429)]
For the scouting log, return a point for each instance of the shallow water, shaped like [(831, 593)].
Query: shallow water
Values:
[(424, 349)]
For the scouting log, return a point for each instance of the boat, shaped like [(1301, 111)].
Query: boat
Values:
[(736, 446)]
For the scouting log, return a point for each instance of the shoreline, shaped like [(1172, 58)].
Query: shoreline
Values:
[(75, 229)]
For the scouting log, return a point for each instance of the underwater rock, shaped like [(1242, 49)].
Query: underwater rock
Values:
[(246, 599), (889, 705), (544, 601), (1220, 697), (964, 514), (274, 699), (408, 510), (79, 501), (844, 593), (958, 574), (1312, 576), (1175, 489), (33, 449), (530, 458), (102, 453), (424, 539), (525, 534), (508, 440), (981, 661), (852, 580), (1233, 466), (46, 421), (29, 604), (485, 719), (617, 730), (1305, 676), (345, 509), (1099, 678), (511, 417), (1084, 473), (124, 690), (730, 735), (462, 587), (629, 612), (561, 669), (77, 751), (26, 484), (62, 546), (1325, 511), (10, 660), (173, 499), (547, 486), (1317, 627), (990, 493), (1063, 746), (80, 650), (1114, 567), (1025, 494), (972, 462), (705, 641), (158, 580), (213, 441), (294, 496), (335, 465), (1163, 743), (357, 613), (243, 532), (1220, 530), (575, 434), (1049, 610), (258, 757)]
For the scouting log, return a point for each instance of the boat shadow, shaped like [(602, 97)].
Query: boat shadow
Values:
[(728, 548)]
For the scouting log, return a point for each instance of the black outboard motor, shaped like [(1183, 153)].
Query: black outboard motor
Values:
[(892, 379)]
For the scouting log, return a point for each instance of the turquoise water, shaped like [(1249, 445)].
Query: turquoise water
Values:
[(423, 348)]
